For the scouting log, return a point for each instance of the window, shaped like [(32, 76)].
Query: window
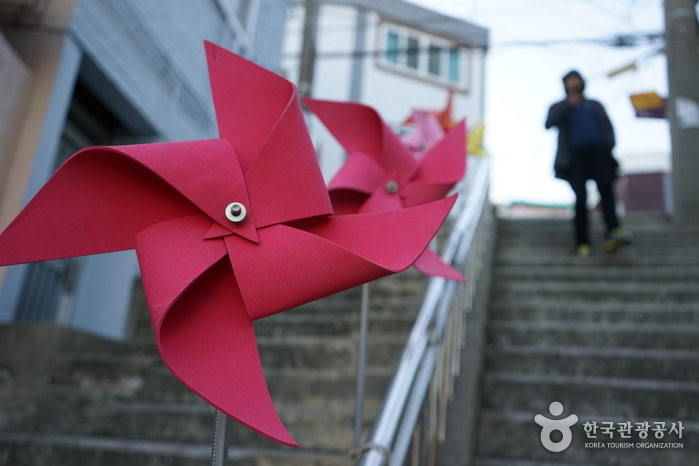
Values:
[(435, 60), (392, 47), (423, 55), (454, 74), (413, 53)]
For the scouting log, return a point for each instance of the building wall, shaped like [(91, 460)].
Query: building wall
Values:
[(268, 40), (145, 61), (17, 83), (41, 52)]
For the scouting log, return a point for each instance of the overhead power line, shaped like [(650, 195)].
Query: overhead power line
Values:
[(621, 40)]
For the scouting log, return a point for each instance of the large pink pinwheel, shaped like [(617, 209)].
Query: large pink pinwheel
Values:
[(227, 231), (382, 175)]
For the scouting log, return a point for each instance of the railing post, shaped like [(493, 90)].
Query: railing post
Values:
[(361, 366), (219, 447)]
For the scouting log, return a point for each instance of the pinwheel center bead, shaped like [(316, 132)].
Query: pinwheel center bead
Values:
[(235, 212), (392, 187)]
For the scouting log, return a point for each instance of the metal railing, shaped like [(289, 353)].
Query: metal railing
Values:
[(413, 412)]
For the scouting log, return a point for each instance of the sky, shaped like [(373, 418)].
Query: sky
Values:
[(522, 81)]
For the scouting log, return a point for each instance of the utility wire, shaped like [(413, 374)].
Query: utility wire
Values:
[(625, 40)]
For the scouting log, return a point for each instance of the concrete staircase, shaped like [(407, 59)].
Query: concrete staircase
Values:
[(107, 403), (613, 337)]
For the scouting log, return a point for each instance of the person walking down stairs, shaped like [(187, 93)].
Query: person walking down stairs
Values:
[(585, 143)]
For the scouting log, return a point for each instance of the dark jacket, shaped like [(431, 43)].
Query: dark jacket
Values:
[(558, 116)]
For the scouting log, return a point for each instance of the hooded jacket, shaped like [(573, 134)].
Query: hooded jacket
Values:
[(558, 116)]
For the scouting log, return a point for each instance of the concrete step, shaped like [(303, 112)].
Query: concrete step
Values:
[(74, 413), (594, 334), (382, 308), (591, 291), (625, 257), (644, 223), (582, 361), (320, 388), (561, 310), (305, 388), (647, 246), (596, 273), (289, 350), (340, 324), (393, 294), (328, 351), (636, 248), (32, 449), (300, 323), (557, 237), (506, 438), (566, 230), (610, 396)]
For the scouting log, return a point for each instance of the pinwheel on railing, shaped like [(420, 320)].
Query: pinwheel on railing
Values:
[(226, 230), (382, 175)]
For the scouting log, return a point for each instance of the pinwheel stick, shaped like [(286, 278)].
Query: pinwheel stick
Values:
[(361, 366), (219, 447)]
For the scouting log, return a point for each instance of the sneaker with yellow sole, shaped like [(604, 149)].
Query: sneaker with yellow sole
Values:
[(584, 250), (616, 238)]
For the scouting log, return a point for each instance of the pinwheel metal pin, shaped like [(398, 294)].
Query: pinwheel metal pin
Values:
[(382, 175), (227, 231)]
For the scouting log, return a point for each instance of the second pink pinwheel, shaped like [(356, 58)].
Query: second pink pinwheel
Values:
[(382, 175)]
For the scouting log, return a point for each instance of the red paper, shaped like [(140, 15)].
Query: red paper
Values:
[(207, 278), (382, 175)]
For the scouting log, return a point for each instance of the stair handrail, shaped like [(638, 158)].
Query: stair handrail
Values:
[(394, 425)]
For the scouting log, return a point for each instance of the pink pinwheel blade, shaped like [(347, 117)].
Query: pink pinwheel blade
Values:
[(208, 342), (332, 254), (446, 161), (171, 255), (97, 202), (359, 173), (248, 100), (262, 119), (430, 263), (293, 268), (397, 237), (203, 332), (206, 172), (347, 201), (345, 120), (285, 181), (419, 193)]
